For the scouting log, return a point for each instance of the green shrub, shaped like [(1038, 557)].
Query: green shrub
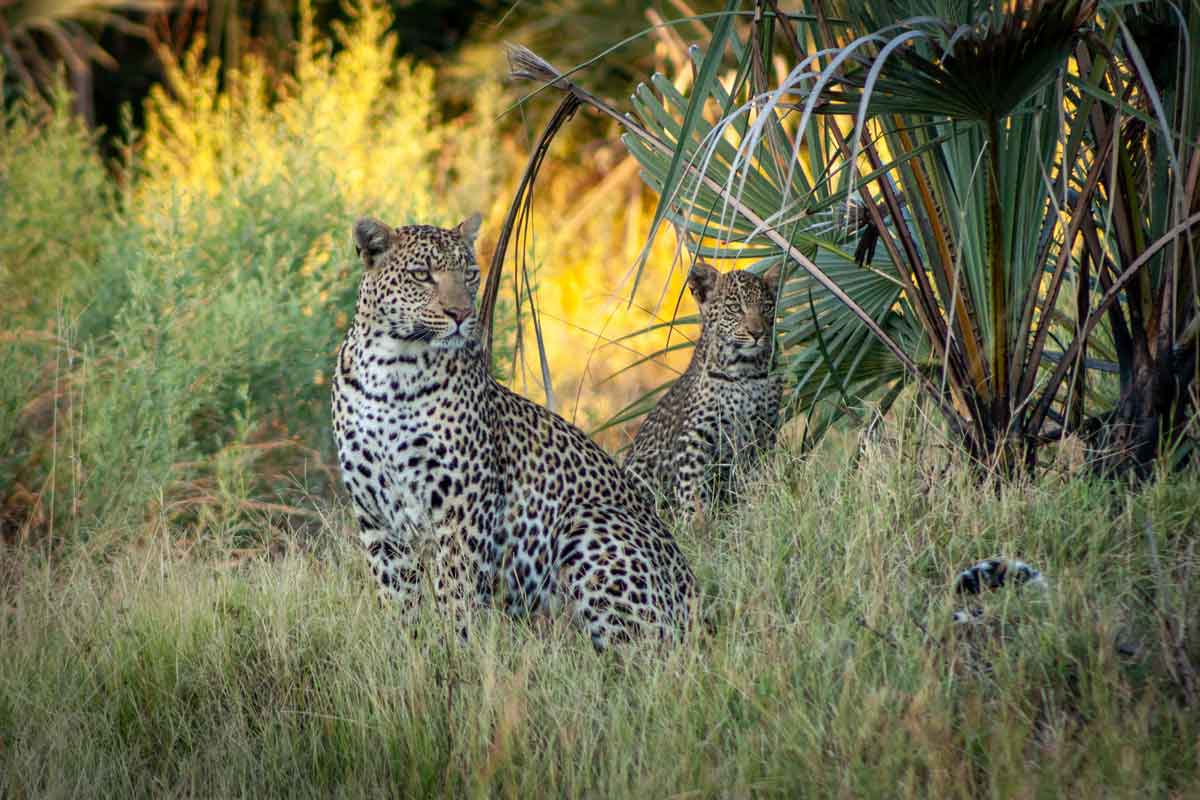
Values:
[(56, 203), (225, 342), (56, 206), (184, 375)]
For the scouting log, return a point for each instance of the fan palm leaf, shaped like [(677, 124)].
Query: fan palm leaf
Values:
[(1000, 153)]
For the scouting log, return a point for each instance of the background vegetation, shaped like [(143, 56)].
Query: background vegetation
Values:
[(1032, 176), (173, 319), (183, 608)]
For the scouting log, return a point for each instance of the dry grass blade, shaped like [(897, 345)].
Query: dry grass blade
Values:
[(518, 212), (525, 64), (1169, 602)]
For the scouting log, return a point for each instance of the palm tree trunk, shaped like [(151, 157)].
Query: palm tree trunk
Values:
[(1153, 410)]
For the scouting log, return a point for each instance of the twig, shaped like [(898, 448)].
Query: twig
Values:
[(863, 622), (520, 207)]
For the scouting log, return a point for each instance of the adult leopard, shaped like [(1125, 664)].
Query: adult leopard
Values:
[(456, 477), (723, 412)]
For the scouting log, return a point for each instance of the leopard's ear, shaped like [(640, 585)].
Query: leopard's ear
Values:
[(771, 278), (702, 280), (371, 239), (468, 229)]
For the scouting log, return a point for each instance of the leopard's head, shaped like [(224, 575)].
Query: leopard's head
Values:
[(737, 311), (420, 281)]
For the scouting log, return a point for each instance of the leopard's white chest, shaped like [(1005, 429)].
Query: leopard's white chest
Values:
[(403, 439)]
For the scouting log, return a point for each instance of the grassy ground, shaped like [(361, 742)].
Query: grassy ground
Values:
[(834, 670)]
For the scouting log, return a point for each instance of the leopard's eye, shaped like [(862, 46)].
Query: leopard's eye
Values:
[(422, 275)]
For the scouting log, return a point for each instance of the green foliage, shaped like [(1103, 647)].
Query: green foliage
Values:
[(223, 342), (982, 158), (189, 339), (56, 202), (965, 61), (833, 670), (173, 346)]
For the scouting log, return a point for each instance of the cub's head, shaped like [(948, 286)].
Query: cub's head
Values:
[(737, 310), (420, 281)]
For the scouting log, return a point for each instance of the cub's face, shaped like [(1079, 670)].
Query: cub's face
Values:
[(420, 281), (737, 310)]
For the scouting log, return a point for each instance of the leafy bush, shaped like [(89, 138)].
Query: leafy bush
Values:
[(201, 317), (56, 202)]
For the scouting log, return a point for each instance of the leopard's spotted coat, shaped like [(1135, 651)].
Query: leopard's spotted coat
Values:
[(719, 417), (456, 477)]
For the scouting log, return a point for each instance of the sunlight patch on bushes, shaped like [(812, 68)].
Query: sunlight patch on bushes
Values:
[(202, 316), (365, 118)]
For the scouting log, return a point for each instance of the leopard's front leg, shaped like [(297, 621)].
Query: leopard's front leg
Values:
[(462, 578), (394, 565), (692, 488)]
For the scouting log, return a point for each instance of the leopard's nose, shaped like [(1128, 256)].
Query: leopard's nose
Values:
[(458, 313)]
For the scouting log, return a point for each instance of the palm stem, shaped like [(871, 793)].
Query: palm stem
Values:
[(1000, 416)]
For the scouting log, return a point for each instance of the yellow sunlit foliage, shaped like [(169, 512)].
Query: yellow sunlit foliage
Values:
[(364, 116), (370, 122), (591, 228)]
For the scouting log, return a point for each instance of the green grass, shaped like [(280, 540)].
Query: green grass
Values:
[(833, 671)]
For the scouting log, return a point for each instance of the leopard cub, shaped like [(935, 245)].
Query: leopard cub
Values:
[(723, 412)]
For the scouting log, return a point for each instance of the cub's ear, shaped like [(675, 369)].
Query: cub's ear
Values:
[(771, 278), (468, 229), (702, 280), (371, 239)]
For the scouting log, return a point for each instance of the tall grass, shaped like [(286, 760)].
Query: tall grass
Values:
[(833, 671)]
